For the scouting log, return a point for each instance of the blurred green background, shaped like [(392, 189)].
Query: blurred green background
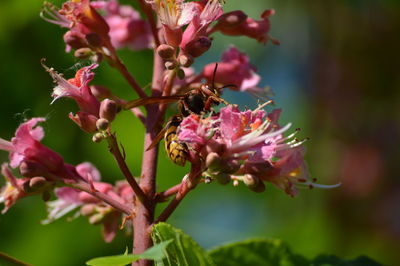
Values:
[(336, 75)]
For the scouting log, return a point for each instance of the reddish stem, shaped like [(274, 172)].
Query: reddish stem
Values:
[(114, 149), (163, 196), (145, 216), (104, 197), (153, 24)]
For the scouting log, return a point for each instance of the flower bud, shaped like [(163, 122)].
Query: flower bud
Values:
[(83, 53), (213, 162), (185, 60), (32, 169), (108, 109), (94, 39), (198, 46), (171, 65), (74, 40), (257, 168), (96, 218), (37, 183), (85, 121), (100, 92), (230, 167), (88, 209), (253, 183), (166, 51), (231, 19), (102, 124), (98, 137)]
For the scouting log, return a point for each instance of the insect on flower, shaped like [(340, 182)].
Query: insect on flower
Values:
[(195, 101)]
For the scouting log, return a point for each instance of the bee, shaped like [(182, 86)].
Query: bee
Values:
[(195, 101)]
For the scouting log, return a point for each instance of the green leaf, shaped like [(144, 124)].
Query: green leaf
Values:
[(330, 260), (183, 252), (154, 253), (257, 252)]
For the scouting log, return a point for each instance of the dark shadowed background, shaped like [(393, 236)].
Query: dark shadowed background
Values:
[(335, 75)]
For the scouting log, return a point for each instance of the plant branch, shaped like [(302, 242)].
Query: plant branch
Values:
[(104, 197), (147, 10), (163, 196), (114, 149), (145, 216), (188, 183)]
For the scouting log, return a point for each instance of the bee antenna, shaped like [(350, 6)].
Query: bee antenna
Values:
[(230, 85), (214, 74)]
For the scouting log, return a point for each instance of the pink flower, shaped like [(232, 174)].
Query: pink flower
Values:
[(247, 146), (78, 89), (98, 212), (173, 14), (208, 11), (87, 28), (238, 24), (13, 190), (127, 29), (26, 146), (234, 69)]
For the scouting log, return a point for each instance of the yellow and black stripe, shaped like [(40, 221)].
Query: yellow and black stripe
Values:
[(177, 151)]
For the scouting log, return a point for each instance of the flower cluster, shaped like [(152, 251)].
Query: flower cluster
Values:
[(98, 212), (43, 170), (247, 146)]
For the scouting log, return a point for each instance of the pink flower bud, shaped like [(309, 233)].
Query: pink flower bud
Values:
[(231, 19), (185, 60), (171, 65), (102, 124), (100, 92), (32, 169), (166, 51), (198, 46), (94, 39), (74, 39), (253, 183), (37, 183), (261, 168), (83, 53), (85, 121), (214, 162), (230, 166), (108, 109)]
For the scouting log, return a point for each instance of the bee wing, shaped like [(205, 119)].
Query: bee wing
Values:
[(157, 139), (152, 100)]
